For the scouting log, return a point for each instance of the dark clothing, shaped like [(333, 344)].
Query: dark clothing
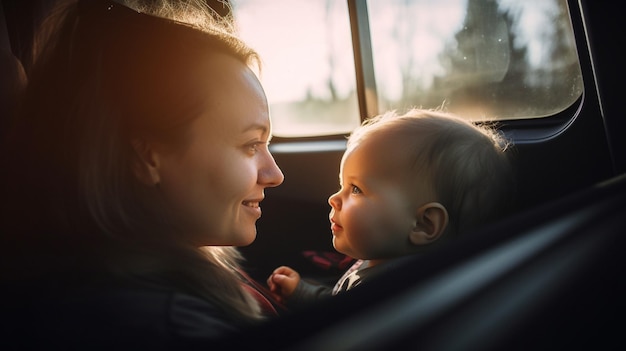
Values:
[(121, 317), (359, 273), (309, 291), (69, 302)]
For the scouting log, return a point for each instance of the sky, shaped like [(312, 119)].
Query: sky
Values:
[(296, 38), (293, 39), (305, 44)]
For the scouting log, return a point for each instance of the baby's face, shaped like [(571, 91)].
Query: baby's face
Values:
[(374, 211)]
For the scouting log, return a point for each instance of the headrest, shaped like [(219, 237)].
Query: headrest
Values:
[(12, 84)]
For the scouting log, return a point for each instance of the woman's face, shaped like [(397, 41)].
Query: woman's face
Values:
[(216, 183)]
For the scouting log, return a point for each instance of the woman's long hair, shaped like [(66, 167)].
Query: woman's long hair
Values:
[(102, 75)]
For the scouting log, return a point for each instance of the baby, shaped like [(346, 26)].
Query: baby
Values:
[(408, 183)]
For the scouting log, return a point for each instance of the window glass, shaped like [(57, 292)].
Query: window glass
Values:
[(308, 64), (482, 59)]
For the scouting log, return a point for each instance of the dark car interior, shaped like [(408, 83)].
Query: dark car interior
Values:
[(549, 276)]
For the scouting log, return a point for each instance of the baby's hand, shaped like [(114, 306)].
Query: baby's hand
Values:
[(282, 282)]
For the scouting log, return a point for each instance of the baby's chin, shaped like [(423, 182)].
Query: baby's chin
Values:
[(337, 246), (335, 243)]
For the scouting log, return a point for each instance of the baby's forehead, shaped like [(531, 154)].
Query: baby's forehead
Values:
[(382, 153), (370, 164), (388, 138)]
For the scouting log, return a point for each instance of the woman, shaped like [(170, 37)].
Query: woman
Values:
[(136, 165)]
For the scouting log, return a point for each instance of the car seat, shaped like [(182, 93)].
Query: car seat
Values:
[(13, 77)]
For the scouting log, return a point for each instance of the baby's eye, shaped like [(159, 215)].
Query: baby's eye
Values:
[(355, 189)]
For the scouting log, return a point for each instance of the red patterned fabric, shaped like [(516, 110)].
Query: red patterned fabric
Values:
[(329, 260), (268, 304)]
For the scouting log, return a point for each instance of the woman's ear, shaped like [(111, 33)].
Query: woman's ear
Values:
[(431, 221), (146, 165)]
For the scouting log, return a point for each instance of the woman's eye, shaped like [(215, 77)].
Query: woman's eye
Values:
[(355, 189), (254, 147)]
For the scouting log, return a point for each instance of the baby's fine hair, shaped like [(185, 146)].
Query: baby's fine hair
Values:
[(468, 164)]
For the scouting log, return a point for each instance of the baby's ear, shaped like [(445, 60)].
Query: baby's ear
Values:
[(431, 221), (146, 165)]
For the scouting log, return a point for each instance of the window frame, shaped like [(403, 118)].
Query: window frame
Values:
[(520, 131)]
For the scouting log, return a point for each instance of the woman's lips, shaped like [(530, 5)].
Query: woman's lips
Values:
[(253, 206), (251, 203)]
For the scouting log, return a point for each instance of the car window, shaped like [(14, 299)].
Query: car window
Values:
[(308, 65), (482, 59)]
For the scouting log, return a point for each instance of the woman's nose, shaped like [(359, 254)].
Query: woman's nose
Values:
[(271, 175)]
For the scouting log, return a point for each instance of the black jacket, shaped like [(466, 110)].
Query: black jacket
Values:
[(111, 318)]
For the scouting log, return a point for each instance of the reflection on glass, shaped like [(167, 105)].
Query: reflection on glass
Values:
[(482, 59), (308, 64)]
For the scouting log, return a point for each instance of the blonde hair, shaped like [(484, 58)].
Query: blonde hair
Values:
[(467, 164)]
